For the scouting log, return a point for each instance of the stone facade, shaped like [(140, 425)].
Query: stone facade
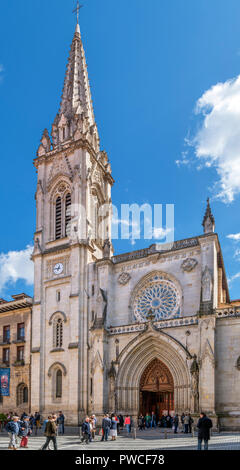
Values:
[(101, 323), (15, 317)]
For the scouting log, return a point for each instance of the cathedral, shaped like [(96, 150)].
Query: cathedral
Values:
[(149, 330)]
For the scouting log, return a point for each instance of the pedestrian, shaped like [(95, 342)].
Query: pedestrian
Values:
[(60, 422), (113, 429), (127, 423), (86, 431), (186, 423), (12, 427), (24, 431), (94, 425), (37, 423), (191, 421), (141, 423), (44, 425), (182, 421), (51, 432), (147, 420), (106, 425), (204, 425), (31, 422), (153, 420), (121, 421), (175, 423)]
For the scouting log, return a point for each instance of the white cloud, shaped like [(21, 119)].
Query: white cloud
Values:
[(234, 236), (16, 265), (217, 142), (233, 278), (160, 233)]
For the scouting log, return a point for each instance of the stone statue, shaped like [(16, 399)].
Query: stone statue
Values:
[(206, 285), (195, 384)]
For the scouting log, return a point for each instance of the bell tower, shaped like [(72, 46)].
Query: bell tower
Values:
[(73, 229)]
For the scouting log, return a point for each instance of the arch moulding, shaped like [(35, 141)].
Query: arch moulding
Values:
[(134, 359)]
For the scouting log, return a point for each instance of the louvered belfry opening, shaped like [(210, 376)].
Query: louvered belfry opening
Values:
[(58, 218), (67, 215)]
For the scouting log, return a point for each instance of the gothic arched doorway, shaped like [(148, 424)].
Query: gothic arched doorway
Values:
[(156, 389)]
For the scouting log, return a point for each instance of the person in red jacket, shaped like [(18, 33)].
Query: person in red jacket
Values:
[(127, 423)]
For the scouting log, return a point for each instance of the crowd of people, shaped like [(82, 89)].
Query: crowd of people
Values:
[(111, 426), (182, 423), (20, 428)]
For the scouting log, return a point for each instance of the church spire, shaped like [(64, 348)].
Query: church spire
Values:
[(76, 97), (76, 109), (208, 219)]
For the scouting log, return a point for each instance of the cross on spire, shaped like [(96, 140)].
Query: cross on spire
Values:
[(76, 10)]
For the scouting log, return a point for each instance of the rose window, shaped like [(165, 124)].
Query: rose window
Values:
[(159, 297)]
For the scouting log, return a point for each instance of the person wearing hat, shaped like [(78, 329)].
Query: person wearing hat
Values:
[(12, 428)]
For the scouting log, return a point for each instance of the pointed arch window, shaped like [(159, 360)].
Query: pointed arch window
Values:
[(67, 214), (22, 394), (58, 218), (58, 333), (59, 384)]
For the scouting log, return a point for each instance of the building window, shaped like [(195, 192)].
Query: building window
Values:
[(22, 394), (6, 355), (58, 218), (20, 353), (58, 296), (20, 331), (59, 384), (6, 334), (58, 333), (67, 215), (92, 290)]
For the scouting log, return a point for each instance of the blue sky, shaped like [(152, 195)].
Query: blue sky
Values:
[(166, 95)]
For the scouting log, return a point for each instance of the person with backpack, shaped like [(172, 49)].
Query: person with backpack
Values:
[(24, 432), (12, 427), (50, 432)]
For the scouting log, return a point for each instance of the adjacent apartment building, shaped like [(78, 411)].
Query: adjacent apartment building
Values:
[(15, 358)]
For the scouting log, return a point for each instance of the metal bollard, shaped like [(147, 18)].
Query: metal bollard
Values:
[(165, 434), (193, 431), (134, 433)]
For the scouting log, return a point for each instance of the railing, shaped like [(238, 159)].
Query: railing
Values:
[(18, 362), (5, 340), (18, 338), (230, 311)]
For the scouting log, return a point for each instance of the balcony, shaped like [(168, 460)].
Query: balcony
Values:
[(19, 338), (4, 364), (18, 362), (4, 340)]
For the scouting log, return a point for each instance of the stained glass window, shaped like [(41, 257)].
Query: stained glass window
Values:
[(159, 297)]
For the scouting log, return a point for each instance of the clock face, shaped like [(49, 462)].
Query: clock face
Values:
[(58, 268)]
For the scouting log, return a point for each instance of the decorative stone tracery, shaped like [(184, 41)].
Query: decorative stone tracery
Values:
[(158, 294)]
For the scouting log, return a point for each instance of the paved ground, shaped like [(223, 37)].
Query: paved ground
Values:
[(145, 440)]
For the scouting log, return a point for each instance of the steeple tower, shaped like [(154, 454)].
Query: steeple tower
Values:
[(73, 231), (76, 109), (208, 219)]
